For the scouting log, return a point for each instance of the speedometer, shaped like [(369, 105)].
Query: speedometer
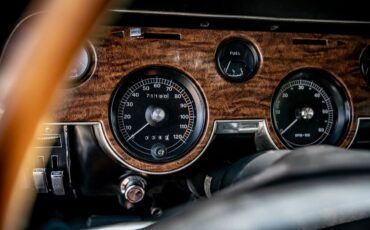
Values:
[(310, 107), (157, 114)]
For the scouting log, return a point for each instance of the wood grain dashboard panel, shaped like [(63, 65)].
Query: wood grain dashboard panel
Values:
[(194, 54)]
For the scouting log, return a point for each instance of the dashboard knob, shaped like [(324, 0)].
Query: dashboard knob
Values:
[(133, 189)]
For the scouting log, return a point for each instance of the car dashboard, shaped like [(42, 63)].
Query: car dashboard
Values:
[(150, 107)]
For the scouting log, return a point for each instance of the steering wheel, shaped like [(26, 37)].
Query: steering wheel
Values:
[(30, 77), (310, 188)]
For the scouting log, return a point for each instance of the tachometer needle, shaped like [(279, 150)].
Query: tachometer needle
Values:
[(141, 129), (289, 126)]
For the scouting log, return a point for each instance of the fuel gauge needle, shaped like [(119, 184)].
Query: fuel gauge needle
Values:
[(227, 67), (141, 129), (289, 126)]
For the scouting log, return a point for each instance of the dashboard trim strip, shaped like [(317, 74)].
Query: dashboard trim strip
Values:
[(220, 16)]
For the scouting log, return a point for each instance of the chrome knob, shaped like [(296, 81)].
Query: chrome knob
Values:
[(133, 189)]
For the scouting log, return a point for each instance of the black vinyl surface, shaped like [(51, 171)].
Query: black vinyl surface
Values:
[(307, 9)]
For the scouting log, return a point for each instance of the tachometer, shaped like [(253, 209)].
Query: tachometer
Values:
[(157, 114), (310, 107)]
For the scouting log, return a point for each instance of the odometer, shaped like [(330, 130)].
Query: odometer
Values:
[(310, 107), (157, 114)]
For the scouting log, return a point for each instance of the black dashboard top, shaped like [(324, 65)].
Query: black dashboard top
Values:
[(355, 10)]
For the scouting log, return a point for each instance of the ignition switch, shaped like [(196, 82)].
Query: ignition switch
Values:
[(132, 188)]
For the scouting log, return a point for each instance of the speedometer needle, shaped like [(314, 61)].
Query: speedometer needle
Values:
[(289, 126), (141, 129)]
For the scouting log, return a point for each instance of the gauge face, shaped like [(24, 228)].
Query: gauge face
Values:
[(310, 108), (237, 59), (157, 114), (308, 118)]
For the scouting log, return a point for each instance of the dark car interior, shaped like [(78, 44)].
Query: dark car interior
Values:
[(207, 115)]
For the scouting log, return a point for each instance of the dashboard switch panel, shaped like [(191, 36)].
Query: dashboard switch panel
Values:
[(51, 172)]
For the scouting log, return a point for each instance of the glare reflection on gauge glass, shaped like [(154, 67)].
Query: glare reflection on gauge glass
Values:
[(80, 65)]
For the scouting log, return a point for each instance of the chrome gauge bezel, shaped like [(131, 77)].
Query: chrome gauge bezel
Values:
[(89, 69)]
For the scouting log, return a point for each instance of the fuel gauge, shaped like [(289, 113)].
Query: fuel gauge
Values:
[(237, 59)]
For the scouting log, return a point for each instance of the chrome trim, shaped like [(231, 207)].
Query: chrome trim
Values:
[(207, 186), (68, 156), (57, 183), (221, 16), (262, 137), (192, 188), (74, 123), (357, 127), (126, 226), (40, 180), (236, 126), (260, 132), (136, 32), (107, 147), (94, 60)]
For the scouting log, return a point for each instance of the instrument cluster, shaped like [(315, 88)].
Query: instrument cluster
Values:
[(158, 113), (158, 97)]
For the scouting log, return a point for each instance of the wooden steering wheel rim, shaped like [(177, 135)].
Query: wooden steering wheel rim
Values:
[(33, 72)]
